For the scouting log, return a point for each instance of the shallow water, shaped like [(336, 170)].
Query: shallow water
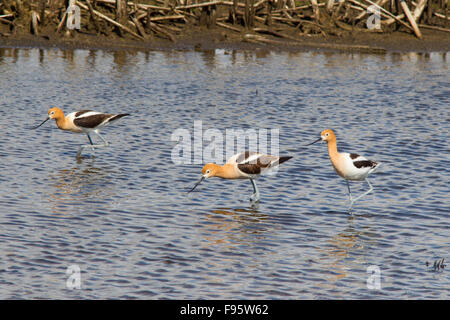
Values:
[(123, 216)]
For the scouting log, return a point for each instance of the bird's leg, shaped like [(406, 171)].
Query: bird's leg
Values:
[(86, 146), (90, 140), (255, 196), (349, 192), (89, 137), (365, 193), (106, 143), (350, 197), (92, 145)]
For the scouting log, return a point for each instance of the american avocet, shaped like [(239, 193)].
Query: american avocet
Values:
[(85, 121), (244, 165), (349, 166)]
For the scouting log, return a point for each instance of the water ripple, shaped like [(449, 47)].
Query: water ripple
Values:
[(123, 215)]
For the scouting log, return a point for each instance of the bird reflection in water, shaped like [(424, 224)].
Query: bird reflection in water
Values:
[(79, 188), (344, 252), (226, 226)]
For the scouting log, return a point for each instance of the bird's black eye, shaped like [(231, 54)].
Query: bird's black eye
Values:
[(207, 171), (326, 134)]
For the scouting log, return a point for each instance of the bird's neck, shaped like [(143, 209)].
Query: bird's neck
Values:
[(61, 122), (332, 149), (227, 171)]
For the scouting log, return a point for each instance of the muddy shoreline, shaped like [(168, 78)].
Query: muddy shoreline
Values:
[(236, 25), (200, 38)]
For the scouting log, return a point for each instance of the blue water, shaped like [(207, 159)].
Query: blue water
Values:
[(123, 216)]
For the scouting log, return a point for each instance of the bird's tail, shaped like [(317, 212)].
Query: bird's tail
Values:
[(283, 159), (375, 167), (273, 168), (118, 116)]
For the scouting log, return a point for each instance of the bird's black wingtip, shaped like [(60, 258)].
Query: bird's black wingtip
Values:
[(284, 159)]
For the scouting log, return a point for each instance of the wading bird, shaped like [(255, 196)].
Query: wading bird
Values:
[(244, 165), (349, 166), (85, 121)]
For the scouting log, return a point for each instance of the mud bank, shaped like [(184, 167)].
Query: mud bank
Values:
[(204, 39), (249, 25)]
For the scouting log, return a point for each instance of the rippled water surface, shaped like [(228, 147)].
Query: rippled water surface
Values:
[(123, 215)]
